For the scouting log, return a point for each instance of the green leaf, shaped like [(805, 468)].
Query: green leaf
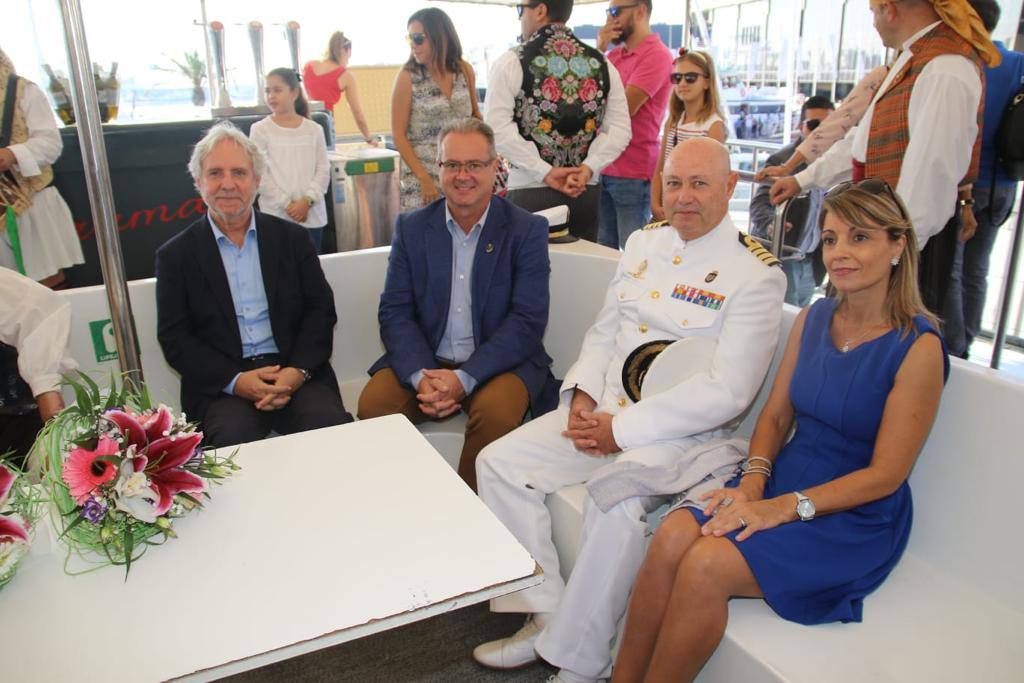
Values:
[(78, 520), (94, 388), (129, 546)]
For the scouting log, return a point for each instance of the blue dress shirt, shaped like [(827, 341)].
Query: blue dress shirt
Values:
[(457, 344), (245, 280)]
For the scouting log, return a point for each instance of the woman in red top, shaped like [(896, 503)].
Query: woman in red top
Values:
[(326, 79)]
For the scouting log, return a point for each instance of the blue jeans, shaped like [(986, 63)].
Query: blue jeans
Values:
[(799, 281), (317, 235), (979, 248), (625, 207)]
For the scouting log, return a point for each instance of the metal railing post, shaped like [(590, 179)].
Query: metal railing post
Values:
[(1007, 293), (97, 180)]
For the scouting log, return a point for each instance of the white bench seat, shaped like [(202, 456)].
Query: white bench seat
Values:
[(953, 609)]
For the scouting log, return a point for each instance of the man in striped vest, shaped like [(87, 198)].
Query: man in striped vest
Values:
[(922, 132)]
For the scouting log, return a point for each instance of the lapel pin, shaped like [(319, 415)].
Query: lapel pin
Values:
[(711, 276), (489, 248)]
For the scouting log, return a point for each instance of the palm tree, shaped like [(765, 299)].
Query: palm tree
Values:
[(194, 69)]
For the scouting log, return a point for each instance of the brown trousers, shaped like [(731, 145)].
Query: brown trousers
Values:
[(495, 408)]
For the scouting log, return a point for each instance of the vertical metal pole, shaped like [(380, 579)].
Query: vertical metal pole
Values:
[(839, 50), (686, 26), (1007, 295), (97, 179), (206, 46)]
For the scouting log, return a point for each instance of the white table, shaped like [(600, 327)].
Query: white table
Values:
[(321, 538)]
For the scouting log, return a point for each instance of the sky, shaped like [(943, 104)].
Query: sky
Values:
[(144, 33)]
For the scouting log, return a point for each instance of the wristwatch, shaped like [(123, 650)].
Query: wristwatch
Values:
[(967, 201), (306, 374), (804, 507)]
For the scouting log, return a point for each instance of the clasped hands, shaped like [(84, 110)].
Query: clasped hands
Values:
[(440, 393), (569, 180), (298, 210), (590, 432), (270, 387)]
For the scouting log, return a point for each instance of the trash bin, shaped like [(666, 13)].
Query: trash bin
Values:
[(365, 185)]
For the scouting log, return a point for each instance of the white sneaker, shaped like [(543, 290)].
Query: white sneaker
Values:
[(514, 652), (564, 676)]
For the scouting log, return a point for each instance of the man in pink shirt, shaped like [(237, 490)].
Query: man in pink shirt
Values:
[(644, 64)]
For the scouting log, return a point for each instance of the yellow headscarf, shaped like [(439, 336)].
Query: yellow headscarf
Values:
[(961, 17)]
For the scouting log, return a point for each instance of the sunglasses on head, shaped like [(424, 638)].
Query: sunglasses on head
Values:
[(875, 186), (614, 12), (690, 77), (416, 38), (529, 5)]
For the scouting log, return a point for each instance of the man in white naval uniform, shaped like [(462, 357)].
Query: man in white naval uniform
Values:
[(692, 276)]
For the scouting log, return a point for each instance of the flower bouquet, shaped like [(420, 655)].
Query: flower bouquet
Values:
[(21, 505), (119, 471)]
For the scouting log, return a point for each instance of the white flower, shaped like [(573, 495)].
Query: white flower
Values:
[(134, 494), (10, 554)]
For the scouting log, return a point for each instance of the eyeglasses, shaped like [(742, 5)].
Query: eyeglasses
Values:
[(529, 5), (614, 12), (812, 124), (875, 186), (690, 77), (416, 38), (472, 167)]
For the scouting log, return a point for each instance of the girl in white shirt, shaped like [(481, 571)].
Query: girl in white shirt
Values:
[(694, 110), (297, 174)]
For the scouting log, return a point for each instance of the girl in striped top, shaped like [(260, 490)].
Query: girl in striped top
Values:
[(694, 110)]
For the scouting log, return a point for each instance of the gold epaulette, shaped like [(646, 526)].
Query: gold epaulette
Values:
[(655, 225), (757, 249)]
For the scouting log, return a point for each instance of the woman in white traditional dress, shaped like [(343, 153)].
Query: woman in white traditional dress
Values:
[(37, 234)]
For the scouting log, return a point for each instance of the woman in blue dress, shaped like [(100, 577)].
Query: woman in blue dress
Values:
[(815, 524)]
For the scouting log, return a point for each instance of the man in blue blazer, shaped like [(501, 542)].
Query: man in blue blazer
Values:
[(465, 305)]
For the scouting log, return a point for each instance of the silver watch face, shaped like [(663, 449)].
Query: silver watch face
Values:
[(805, 508)]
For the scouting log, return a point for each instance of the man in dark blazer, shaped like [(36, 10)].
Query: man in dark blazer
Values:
[(465, 305), (244, 312)]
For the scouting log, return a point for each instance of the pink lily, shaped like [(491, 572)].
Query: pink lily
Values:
[(141, 429), (10, 529), (133, 432), (164, 456)]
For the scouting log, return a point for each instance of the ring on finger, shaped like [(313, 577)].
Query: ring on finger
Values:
[(743, 522), (727, 501)]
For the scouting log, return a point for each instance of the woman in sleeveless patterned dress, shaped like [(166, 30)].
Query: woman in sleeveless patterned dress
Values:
[(434, 88), (816, 524)]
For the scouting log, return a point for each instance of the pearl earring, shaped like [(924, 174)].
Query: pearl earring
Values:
[(895, 262)]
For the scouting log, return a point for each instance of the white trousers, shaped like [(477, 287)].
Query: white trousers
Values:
[(514, 476)]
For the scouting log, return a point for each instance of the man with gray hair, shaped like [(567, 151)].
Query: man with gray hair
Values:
[(244, 312), (465, 305)]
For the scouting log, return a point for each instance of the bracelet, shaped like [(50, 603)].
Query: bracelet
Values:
[(967, 201), (756, 470), (752, 458)]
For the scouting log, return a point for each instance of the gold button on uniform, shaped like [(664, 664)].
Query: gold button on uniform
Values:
[(676, 260), (643, 328), (655, 294), (685, 323), (622, 403)]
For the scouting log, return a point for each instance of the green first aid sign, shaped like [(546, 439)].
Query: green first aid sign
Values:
[(102, 333)]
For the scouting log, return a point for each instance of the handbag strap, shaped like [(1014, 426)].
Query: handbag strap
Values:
[(7, 123)]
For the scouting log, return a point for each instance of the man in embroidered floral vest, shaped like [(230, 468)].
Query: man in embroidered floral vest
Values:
[(558, 110), (922, 132)]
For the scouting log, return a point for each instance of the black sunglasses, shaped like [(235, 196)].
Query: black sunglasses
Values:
[(690, 77), (416, 38), (614, 12), (875, 186), (812, 124), (530, 5)]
